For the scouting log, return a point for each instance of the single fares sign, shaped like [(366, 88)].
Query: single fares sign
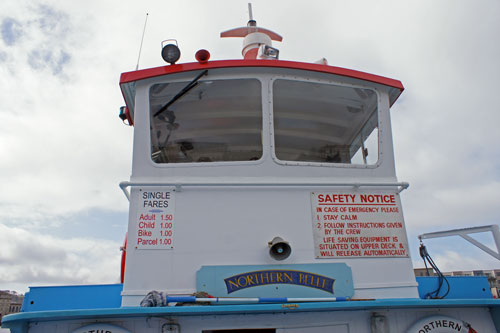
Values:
[(358, 224), (155, 218)]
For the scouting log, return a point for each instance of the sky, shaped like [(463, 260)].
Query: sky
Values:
[(63, 149)]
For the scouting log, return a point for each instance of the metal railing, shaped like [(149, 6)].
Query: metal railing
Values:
[(464, 233), (179, 185)]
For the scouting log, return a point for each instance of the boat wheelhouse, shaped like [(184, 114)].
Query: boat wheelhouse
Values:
[(264, 194), (245, 154)]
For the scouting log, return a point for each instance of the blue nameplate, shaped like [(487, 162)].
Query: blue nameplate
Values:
[(301, 280), (278, 276)]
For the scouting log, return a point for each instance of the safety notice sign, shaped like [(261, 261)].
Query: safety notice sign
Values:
[(358, 224), (155, 219)]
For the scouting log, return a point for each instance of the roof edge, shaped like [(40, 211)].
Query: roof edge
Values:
[(142, 74)]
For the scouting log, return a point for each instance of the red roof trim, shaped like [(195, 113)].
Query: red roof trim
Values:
[(192, 66)]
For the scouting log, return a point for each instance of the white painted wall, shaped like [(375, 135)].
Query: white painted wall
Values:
[(218, 224)]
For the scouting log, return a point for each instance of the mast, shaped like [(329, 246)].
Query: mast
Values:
[(257, 41)]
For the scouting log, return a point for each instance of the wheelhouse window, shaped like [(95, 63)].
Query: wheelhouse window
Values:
[(214, 121), (324, 123)]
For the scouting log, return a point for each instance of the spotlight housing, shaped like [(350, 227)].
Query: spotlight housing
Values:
[(268, 52), (170, 52)]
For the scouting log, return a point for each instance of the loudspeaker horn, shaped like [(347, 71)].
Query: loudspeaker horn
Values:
[(279, 249)]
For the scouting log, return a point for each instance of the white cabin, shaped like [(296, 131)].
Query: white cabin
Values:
[(250, 153)]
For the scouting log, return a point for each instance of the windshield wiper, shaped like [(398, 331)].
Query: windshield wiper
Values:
[(181, 93)]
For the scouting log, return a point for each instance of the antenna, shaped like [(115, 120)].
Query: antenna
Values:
[(142, 39), (254, 38), (250, 15)]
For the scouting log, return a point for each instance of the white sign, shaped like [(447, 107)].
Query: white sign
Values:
[(155, 219), (358, 224), (101, 328)]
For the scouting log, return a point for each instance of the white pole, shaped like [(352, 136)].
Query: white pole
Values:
[(250, 15)]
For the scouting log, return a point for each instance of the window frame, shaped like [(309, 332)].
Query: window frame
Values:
[(266, 80), (296, 78), (186, 78)]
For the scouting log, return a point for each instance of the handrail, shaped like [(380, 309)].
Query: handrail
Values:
[(464, 233), (178, 185)]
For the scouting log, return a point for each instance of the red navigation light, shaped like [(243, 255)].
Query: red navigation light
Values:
[(202, 56)]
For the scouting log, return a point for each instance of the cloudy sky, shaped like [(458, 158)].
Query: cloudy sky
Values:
[(63, 149)]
